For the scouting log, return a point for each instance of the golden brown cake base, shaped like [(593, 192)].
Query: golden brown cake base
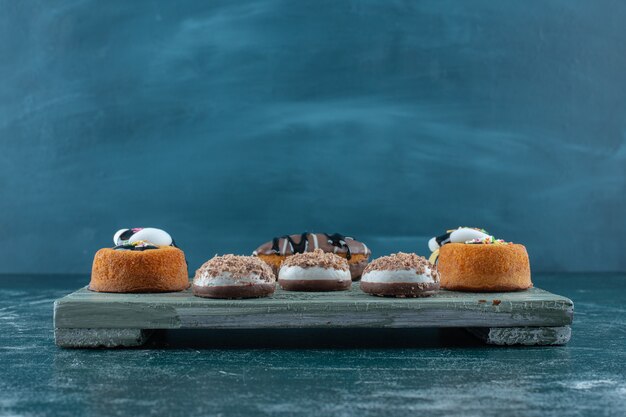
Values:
[(153, 270), (484, 267), (357, 263)]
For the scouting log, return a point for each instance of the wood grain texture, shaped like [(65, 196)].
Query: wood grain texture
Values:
[(527, 336), (100, 338), (535, 307)]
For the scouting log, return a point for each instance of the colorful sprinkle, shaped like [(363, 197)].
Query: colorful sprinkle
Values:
[(488, 241)]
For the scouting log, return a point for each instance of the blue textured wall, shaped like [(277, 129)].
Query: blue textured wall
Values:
[(227, 123)]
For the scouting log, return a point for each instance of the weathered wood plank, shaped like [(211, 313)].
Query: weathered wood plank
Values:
[(535, 307), (528, 336), (95, 338)]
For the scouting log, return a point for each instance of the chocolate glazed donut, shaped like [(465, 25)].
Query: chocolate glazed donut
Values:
[(278, 249)]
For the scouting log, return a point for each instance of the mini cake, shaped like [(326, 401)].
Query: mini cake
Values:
[(315, 271), (278, 249), (232, 276), (400, 275), (142, 260), (472, 260)]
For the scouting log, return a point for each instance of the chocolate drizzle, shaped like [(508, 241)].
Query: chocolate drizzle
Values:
[(443, 239), (299, 247), (339, 240), (337, 243), (127, 234), (335, 239)]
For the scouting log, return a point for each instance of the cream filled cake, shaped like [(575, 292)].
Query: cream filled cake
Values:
[(142, 260), (400, 275), (314, 271), (471, 259), (280, 248), (232, 276)]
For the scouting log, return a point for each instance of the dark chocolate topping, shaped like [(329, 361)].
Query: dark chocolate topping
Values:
[(443, 239), (127, 234), (340, 241), (308, 242), (299, 247)]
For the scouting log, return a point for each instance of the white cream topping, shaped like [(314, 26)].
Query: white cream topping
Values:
[(226, 279), (313, 273), (460, 235), (157, 237), (399, 275)]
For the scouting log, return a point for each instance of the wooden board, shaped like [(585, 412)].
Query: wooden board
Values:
[(89, 319)]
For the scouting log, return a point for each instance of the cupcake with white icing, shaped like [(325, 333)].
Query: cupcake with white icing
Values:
[(232, 276), (314, 271), (143, 260), (400, 275)]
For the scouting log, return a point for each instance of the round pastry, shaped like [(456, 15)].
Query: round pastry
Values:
[(278, 249), (482, 264), (232, 276), (400, 275), (139, 266), (314, 271)]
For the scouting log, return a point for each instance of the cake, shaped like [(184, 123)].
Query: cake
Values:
[(142, 260), (314, 271), (280, 248), (480, 263), (400, 275), (232, 276)]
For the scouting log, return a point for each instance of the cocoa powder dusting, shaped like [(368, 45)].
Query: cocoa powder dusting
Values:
[(402, 261), (237, 266), (317, 258)]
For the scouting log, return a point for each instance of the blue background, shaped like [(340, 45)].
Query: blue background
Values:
[(227, 123)]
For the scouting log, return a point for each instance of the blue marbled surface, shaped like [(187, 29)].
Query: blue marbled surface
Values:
[(228, 123), (352, 373)]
